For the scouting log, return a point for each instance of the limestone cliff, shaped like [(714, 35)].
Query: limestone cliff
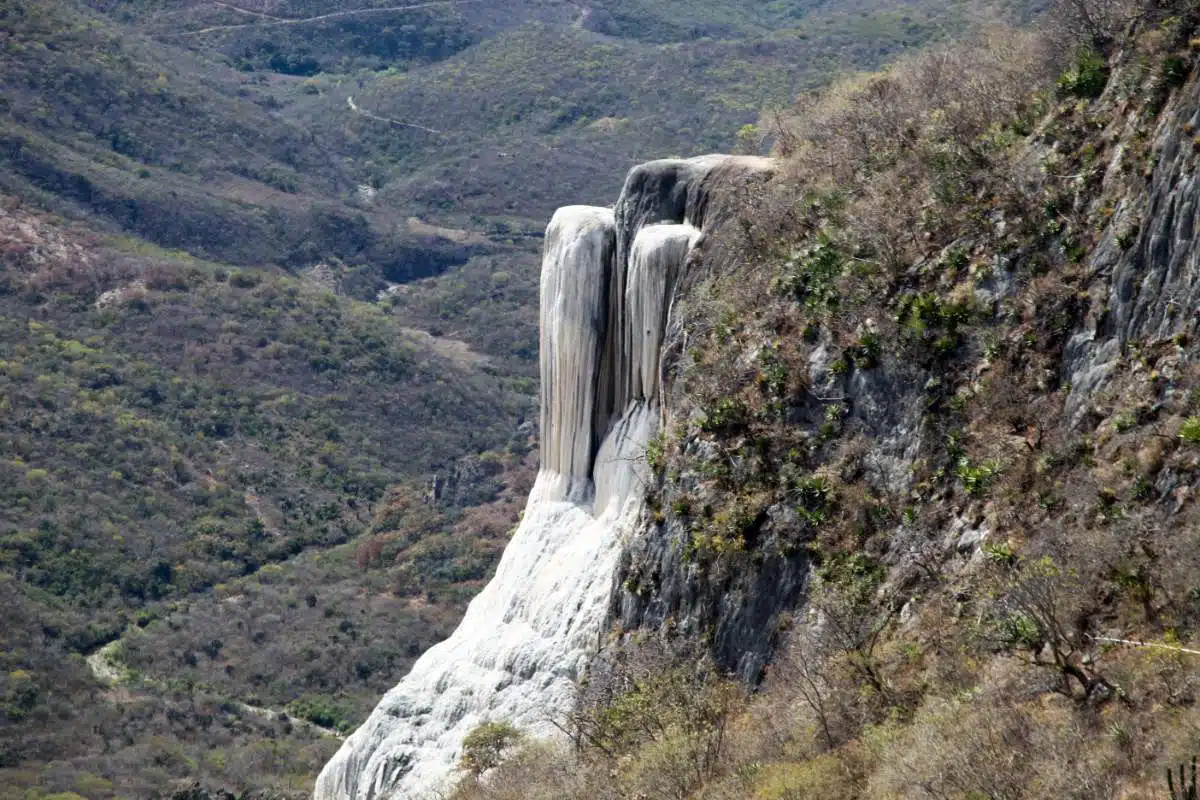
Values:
[(609, 279)]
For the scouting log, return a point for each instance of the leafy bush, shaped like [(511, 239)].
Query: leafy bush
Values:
[(854, 574), (321, 711), (1190, 430), (815, 496), (866, 351), (1088, 76), (487, 744), (1174, 71), (656, 453), (976, 478), (811, 277), (728, 413)]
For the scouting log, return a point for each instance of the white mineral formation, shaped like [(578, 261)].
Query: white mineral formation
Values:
[(606, 292)]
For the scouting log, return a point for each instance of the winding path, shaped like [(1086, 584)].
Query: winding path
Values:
[(113, 674), (272, 21)]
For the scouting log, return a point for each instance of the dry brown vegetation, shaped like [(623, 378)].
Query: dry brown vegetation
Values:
[(932, 224)]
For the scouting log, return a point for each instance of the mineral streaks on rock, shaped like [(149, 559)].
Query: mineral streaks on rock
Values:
[(608, 283), (576, 269), (1147, 264)]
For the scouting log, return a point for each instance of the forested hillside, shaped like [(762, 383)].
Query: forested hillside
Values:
[(268, 276), (194, 425)]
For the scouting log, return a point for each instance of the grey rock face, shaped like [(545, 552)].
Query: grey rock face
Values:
[(471, 482), (743, 608), (1149, 289)]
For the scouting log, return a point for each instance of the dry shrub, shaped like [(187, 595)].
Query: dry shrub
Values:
[(941, 100), (815, 779), (539, 771), (1098, 23), (166, 277), (931, 126), (672, 765), (986, 746), (645, 727)]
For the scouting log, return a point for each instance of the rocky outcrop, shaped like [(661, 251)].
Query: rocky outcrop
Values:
[(608, 284), (1145, 271), (743, 611), (471, 481)]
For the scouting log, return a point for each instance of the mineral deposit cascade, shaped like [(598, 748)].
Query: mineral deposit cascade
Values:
[(608, 281)]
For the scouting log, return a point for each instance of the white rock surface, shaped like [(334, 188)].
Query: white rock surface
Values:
[(530, 634)]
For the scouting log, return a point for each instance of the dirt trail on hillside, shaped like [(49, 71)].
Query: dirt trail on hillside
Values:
[(108, 671)]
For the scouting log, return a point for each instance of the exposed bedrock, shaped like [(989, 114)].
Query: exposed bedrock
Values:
[(1148, 290)]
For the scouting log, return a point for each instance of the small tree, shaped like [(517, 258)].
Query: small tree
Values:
[(805, 669), (487, 745), (1035, 607), (658, 714)]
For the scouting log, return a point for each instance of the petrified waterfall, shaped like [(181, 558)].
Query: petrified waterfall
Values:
[(608, 283)]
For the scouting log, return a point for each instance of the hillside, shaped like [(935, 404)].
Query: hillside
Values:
[(927, 476), (195, 424), (268, 356), (201, 126)]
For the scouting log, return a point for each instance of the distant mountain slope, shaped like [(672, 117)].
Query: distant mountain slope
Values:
[(227, 130), (538, 115), (218, 420), (171, 146)]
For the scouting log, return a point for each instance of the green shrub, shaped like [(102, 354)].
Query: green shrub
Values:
[(321, 711), (486, 746), (1190, 430), (725, 532), (656, 457), (1128, 236), (1087, 78), (1124, 421), (865, 352), (728, 414), (1020, 630), (1174, 71), (811, 277), (955, 259), (773, 373), (815, 497), (856, 576), (976, 479), (1001, 553), (923, 314), (244, 280)]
